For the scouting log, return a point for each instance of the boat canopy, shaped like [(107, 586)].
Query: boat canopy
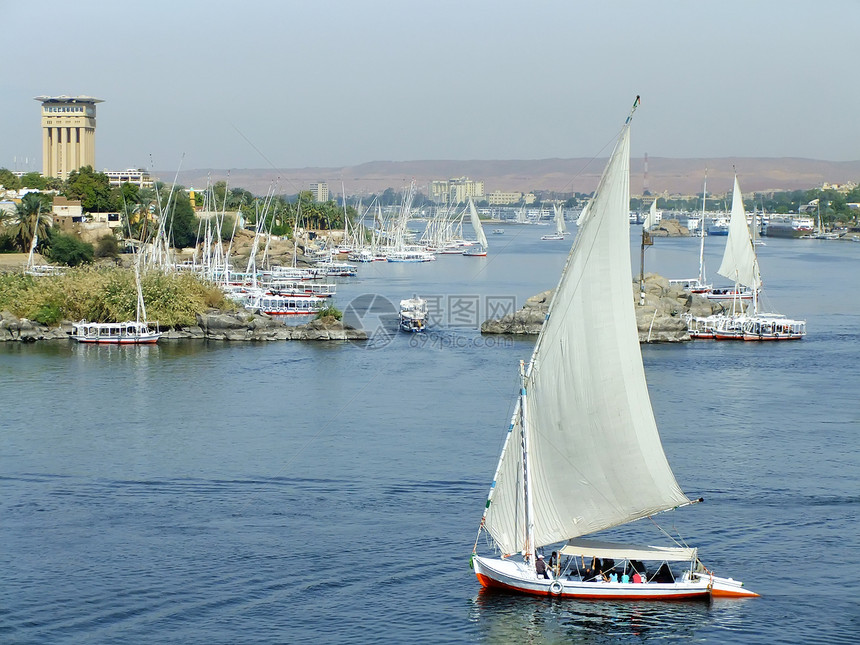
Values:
[(618, 551)]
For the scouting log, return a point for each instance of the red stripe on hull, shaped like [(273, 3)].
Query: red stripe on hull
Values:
[(489, 583)]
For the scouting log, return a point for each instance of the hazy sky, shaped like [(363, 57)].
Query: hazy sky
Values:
[(284, 84)]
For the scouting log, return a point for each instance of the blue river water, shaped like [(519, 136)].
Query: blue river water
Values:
[(209, 492)]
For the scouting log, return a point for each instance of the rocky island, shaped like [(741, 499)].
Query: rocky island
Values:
[(659, 317)]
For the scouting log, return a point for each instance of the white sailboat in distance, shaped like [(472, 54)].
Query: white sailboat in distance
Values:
[(479, 248), (560, 229), (582, 452)]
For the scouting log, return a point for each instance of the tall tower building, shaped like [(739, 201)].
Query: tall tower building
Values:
[(68, 134)]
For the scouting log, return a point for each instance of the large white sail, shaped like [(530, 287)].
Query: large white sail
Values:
[(504, 516), (595, 459), (476, 224), (739, 259)]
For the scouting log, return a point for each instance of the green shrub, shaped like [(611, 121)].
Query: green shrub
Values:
[(109, 294), (107, 247), (50, 313), (330, 311), (69, 250)]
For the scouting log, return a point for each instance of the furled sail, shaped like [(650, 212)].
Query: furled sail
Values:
[(595, 457), (739, 259), (476, 224), (504, 516)]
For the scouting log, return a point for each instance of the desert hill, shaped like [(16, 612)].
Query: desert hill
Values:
[(665, 175)]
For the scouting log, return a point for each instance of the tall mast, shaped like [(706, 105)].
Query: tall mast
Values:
[(702, 231), (646, 241), (530, 523)]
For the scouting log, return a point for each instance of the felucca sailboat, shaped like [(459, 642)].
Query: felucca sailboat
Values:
[(582, 452), (479, 248), (560, 228)]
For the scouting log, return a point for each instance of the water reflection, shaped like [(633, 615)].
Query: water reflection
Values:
[(502, 618)]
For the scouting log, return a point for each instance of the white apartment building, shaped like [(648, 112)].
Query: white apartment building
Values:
[(136, 176), (500, 198), (320, 191), (456, 191)]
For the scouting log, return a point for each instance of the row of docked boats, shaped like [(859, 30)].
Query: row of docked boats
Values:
[(745, 319)]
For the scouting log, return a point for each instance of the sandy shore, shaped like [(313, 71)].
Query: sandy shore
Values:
[(18, 260)]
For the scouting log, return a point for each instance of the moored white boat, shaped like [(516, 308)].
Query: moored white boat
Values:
[(583, 453), (278, 305), (728, 293), (336, 269), (301, 288), (410, 255), (132, 332), (126, 333), (773, 327)]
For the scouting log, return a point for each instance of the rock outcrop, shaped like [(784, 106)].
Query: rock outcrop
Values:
[(28, 331), (669, 228), (217, 325), (213, 325), (658, 312)]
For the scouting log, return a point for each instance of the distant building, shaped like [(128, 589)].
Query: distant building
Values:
[(499, 198), (68, 134), (456, 191), (320, 191), (136, 176), (68, 214)]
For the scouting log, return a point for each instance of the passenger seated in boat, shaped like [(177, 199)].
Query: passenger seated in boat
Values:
[(610, 577), (625, 578), (636, 577), (664, 574), (540, 567), (639, 567), (608, 565)]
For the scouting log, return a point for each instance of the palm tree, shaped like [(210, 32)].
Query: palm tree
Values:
[(30, 222), (5, 217)]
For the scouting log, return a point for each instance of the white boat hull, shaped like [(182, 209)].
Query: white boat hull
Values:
[(515, 577)]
